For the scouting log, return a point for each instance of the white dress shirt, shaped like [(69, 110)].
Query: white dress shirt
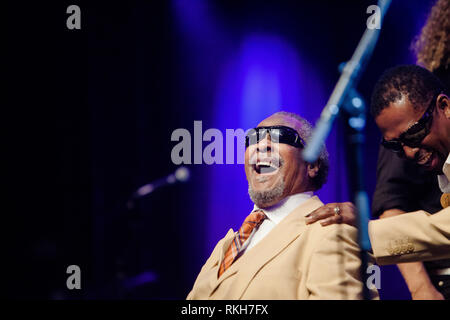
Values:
[(444, 179), (275, 214)]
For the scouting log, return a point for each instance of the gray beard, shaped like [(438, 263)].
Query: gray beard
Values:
[(263, 198)]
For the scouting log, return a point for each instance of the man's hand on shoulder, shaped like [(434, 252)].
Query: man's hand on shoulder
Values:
[(334, 213)]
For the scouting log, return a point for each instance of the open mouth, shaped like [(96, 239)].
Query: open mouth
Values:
[(431, 162), (266, 167), (426, 160)]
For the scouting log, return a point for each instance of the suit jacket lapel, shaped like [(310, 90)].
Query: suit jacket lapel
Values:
[(214, 282), (276, 241)]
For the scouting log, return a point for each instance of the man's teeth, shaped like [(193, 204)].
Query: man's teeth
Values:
[(264, 164), (425, 159), (265, 167)]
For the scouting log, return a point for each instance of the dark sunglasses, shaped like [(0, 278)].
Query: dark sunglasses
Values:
[(278, 134), (414, 136)]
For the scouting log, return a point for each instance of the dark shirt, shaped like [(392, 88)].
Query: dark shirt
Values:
[(404, 185)]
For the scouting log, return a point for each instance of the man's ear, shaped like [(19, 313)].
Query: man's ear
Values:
[(313, 169), (443, 102)]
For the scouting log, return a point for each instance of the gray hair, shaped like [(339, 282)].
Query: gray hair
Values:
[(305, 132)]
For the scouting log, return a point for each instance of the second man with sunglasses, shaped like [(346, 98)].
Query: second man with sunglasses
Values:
[(412, 109)]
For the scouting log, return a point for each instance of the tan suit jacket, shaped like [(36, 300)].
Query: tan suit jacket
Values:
[(294, 261), (411, 237)]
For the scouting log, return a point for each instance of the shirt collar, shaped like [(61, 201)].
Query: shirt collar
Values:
[(444, 179), (279, 211)]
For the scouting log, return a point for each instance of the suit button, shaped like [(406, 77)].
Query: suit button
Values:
[(440, 283)]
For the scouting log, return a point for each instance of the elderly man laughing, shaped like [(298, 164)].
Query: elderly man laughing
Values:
[(275, 254)]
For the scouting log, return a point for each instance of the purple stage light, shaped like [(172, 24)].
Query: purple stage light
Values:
[(266, 75)]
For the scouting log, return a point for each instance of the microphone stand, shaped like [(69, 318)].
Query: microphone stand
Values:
[(344, 91), (355, 106)]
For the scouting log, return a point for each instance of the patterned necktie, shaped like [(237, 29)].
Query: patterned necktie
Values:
[(250, 223), (445, 200)]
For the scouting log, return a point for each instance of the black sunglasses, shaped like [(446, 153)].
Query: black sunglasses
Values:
[(278, 134), (414, 136)]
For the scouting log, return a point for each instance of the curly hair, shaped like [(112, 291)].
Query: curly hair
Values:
[(416, 83), (432, 45), (305, 133)]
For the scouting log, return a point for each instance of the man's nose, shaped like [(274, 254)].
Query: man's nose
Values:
[(410, 153), (265, 145)]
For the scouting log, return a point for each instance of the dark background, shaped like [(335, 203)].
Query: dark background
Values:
[(89, 120)]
